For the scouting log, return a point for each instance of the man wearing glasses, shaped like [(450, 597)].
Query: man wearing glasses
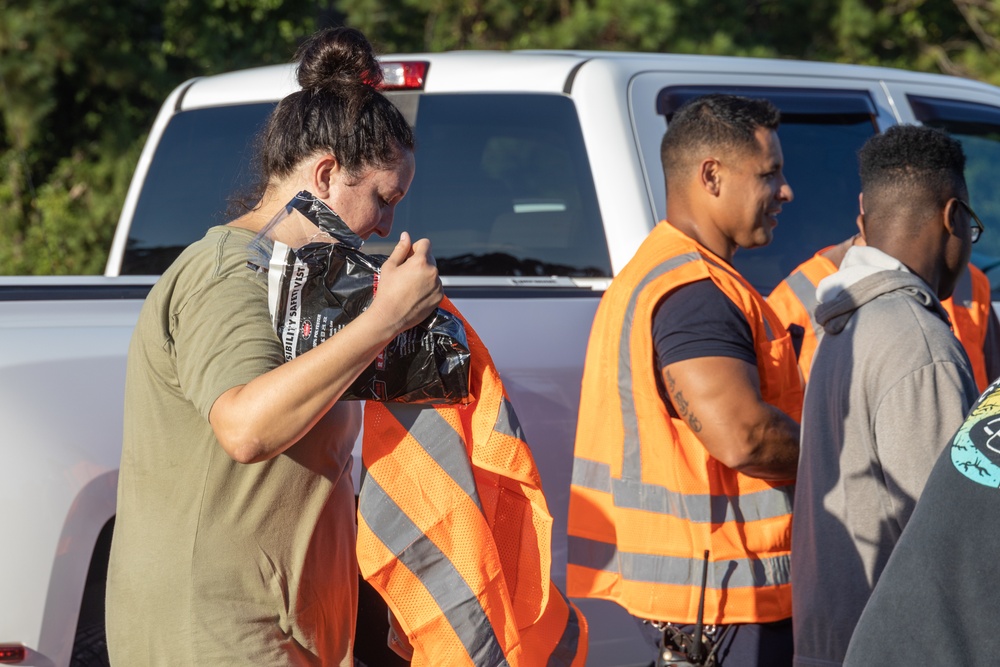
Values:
[(889, 382), (936, 602), (969, 308)]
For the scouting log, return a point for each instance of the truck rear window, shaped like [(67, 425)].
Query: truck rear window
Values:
[(202, 158), (503, 186)]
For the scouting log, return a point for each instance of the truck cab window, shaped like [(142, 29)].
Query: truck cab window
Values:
[(821, 132), (977, 126)]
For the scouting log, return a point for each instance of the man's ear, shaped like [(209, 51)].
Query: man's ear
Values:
[(710, 176), (323, 172), (860, 221), (948, 215)]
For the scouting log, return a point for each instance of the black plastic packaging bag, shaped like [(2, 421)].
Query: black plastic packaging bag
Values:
[(318, 287)]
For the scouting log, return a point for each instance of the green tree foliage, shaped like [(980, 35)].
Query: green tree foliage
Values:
[(80, 81), (953, 36)]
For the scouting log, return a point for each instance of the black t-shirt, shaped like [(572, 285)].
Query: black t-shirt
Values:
[(698, 320)]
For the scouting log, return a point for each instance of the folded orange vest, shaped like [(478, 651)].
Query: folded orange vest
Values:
[(455, 533)]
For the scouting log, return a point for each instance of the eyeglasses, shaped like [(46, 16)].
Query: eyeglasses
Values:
[(976, 229)]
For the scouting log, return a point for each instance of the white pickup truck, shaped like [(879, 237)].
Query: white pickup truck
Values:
[(538, 174)]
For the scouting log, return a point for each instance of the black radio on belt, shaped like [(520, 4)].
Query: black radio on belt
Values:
[(680, 649)]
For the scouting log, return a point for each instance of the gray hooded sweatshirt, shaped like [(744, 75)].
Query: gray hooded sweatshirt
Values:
[(889, 386)]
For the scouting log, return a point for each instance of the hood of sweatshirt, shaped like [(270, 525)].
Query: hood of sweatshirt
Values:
[(866, 274)]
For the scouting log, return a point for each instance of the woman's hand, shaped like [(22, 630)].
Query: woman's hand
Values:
[(261, 419), (409, 288)]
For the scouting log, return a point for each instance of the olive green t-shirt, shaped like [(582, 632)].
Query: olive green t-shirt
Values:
[(215, 562)]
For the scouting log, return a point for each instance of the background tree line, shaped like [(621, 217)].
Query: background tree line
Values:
[(81, 81)]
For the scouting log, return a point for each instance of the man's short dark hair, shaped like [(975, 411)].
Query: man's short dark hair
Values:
[(913, 164), (715, 122)]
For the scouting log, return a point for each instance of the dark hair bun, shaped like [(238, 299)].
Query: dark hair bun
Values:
[(337, 58), (339, 110)]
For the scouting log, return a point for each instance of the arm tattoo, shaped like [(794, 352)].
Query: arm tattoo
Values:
[(682, 404), (694, 423)]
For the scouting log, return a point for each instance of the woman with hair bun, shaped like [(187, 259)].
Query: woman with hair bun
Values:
[(234, 541)]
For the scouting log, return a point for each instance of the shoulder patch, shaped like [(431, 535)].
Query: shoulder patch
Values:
[(975, 450)]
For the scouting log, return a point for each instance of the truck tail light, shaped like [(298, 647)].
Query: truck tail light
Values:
[(12, 653), (398, 75)]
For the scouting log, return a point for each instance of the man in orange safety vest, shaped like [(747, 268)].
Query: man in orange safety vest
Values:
[(687, 440), (970, 310)]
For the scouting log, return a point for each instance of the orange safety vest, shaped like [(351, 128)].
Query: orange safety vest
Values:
[(969, 310), (794, 301), (646, 498), (455, 533)]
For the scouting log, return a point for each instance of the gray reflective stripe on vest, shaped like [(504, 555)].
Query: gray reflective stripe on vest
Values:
[(565, 651), (457, 602), (442, 442), (962, 295), (805, 292), (671, 570), (632, 466), (694, 507), (507, 422), (591, 474)]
